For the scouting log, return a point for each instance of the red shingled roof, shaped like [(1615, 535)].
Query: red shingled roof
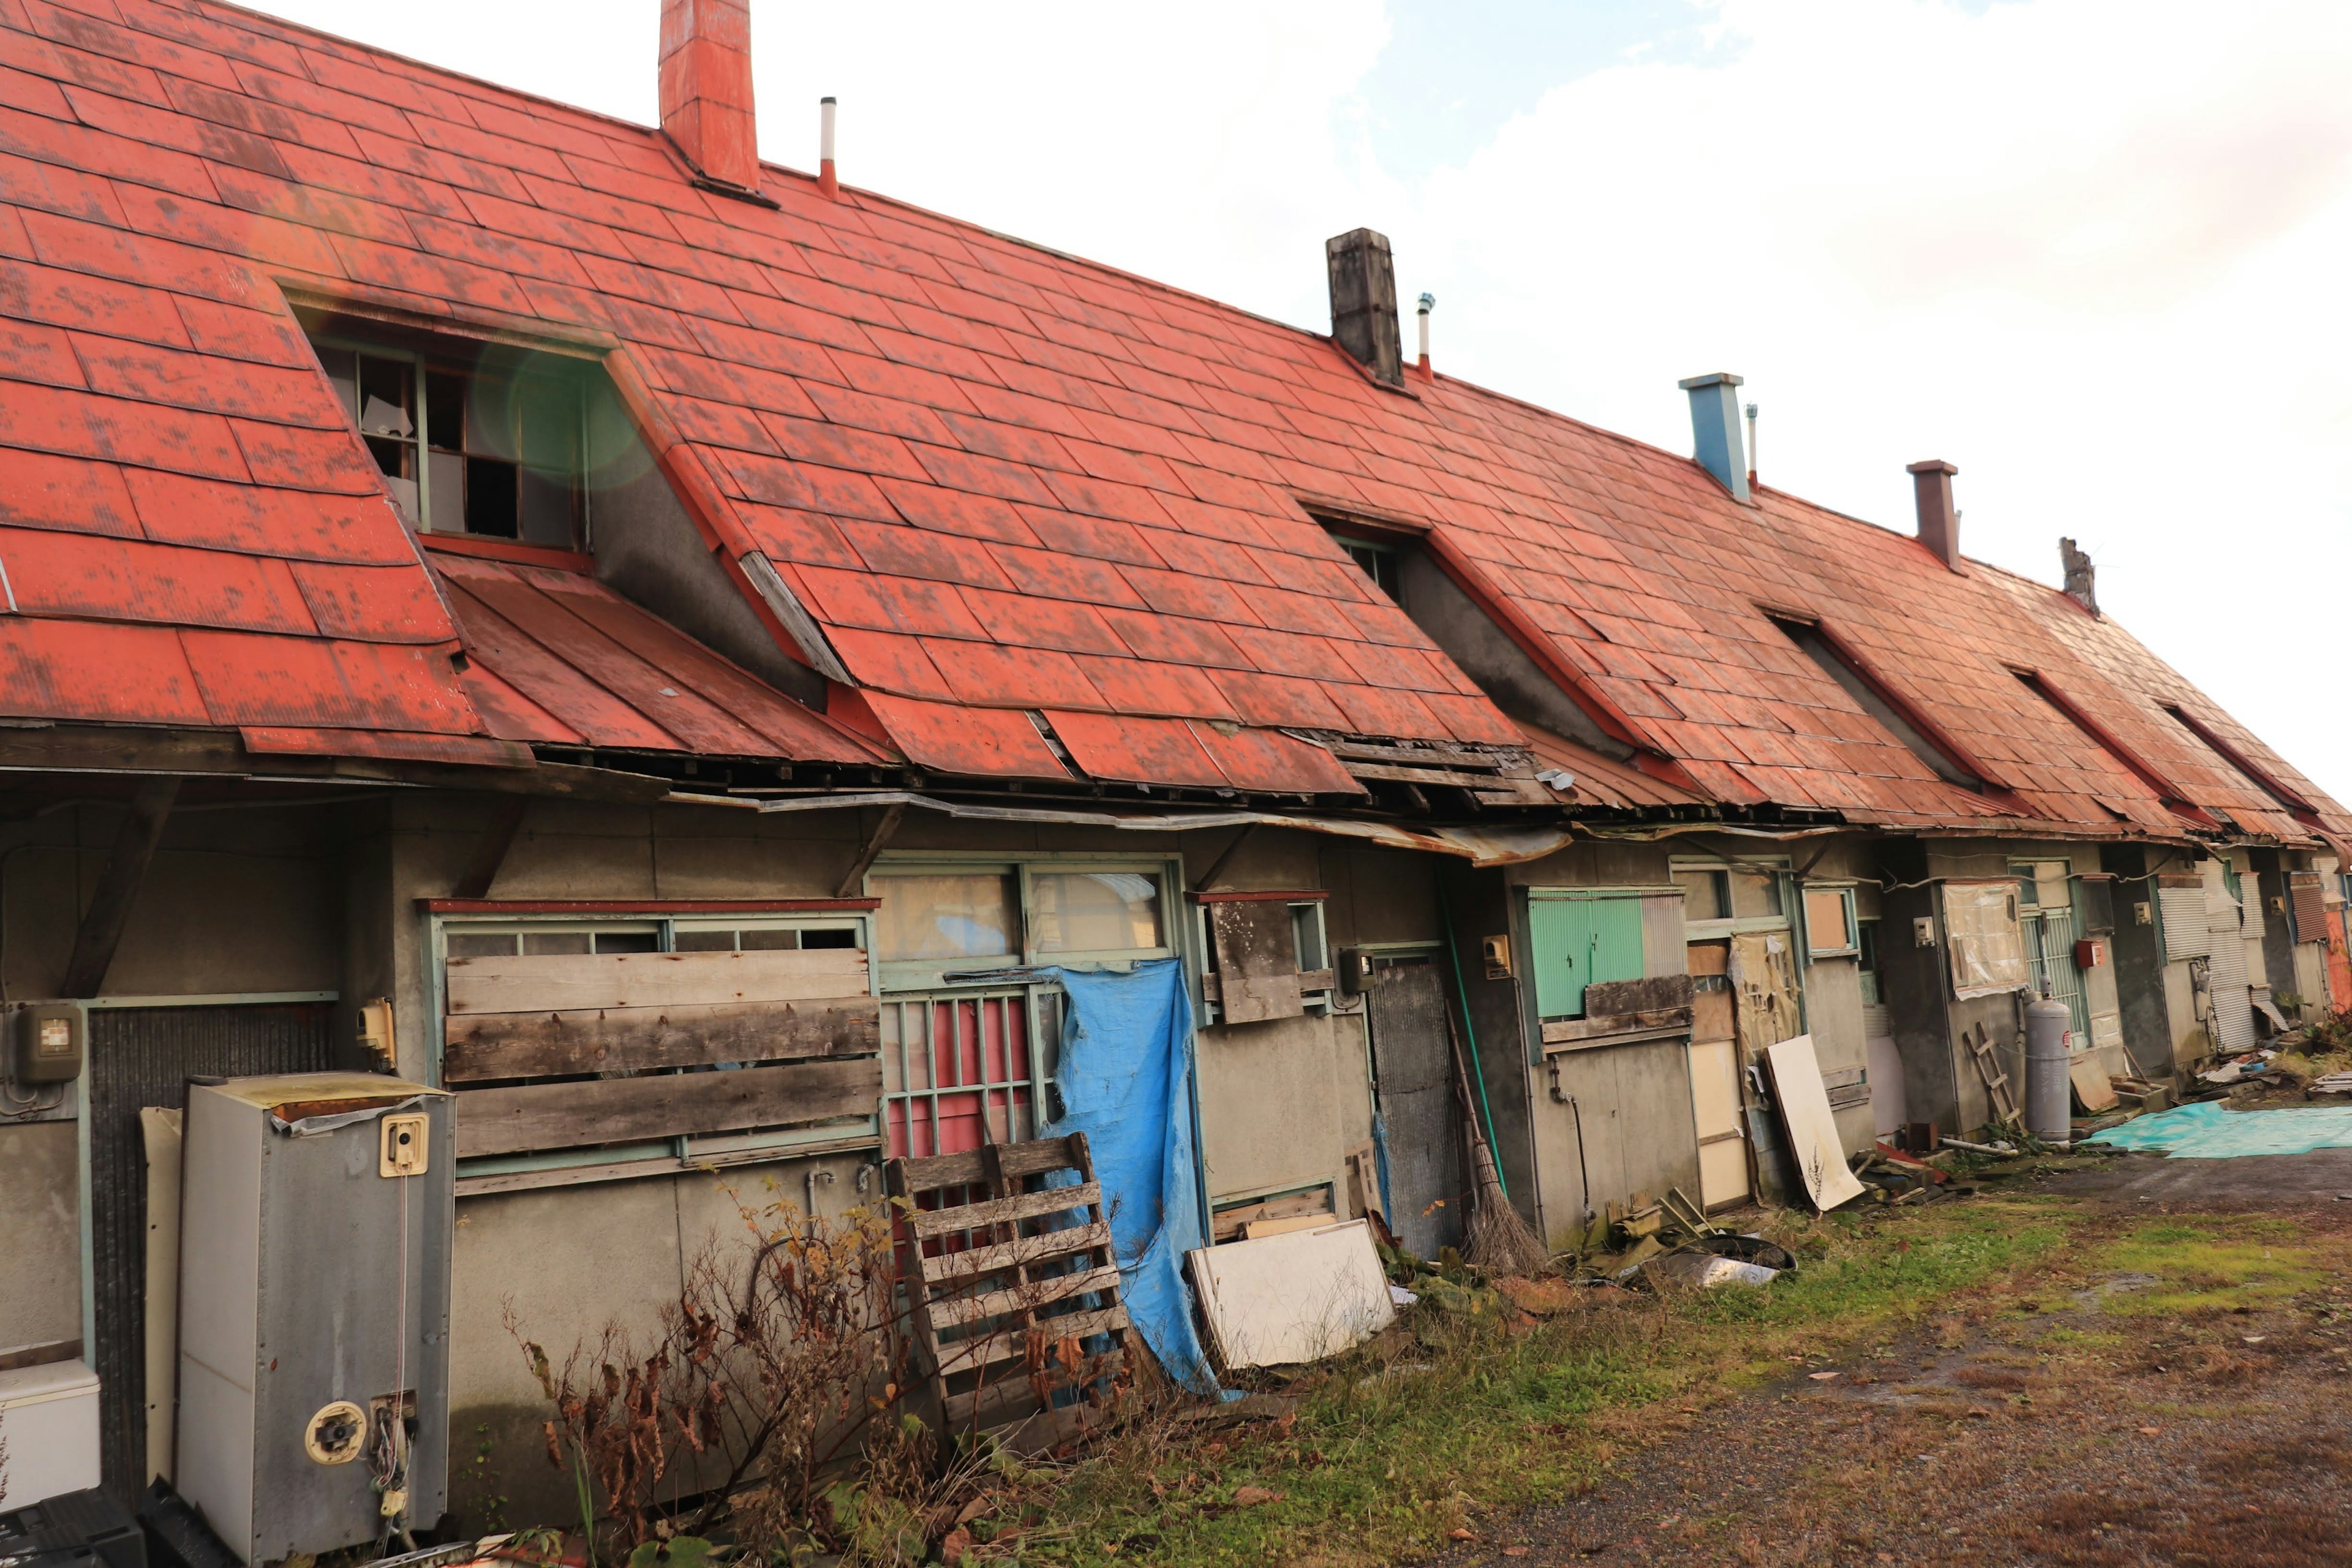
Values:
[(556, 658), (1001, 483)]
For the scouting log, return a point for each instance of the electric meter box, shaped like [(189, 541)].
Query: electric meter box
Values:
[(48, 1045), (317, 1213)]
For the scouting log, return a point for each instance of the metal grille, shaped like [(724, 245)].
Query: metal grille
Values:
[(959, 1070), (2050, 950), (142, 1056)]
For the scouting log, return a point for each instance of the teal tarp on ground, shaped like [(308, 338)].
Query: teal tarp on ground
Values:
[(2209, 1131), (1126, 1080)]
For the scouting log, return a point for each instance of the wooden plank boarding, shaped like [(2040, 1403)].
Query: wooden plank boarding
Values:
[(579, 982), (661, 1105), (1015, 1302), (480, 1045)]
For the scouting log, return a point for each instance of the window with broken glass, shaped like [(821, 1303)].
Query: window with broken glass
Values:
[(485, 442), (971, 1032)]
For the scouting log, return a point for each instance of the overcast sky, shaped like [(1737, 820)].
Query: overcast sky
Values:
[(2091, 251)]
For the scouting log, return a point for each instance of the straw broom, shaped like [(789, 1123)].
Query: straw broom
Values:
[(1496, 1238)]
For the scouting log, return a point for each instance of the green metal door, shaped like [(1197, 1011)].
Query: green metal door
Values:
[(1576, 943)]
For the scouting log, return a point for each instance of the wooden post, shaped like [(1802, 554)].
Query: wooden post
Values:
[(109, 907)]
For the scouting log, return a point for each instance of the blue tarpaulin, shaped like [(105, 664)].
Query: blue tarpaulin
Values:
[(1126, 1081), (2207, 1131)]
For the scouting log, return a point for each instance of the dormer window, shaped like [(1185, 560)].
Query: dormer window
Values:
[(1380, 562), (476, 440)]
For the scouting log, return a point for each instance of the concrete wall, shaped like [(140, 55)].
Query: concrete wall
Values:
[(40, 1234)]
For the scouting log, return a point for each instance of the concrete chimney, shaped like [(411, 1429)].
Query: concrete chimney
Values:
[(2081, 577), (1715, 430), (1939, 525), (1364, 302), (706, 89)]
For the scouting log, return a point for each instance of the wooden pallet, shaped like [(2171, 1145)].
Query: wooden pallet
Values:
[(1007, 1278)]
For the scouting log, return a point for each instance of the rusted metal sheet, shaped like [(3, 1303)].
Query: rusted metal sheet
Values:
[(1136, 750), (998, 742)]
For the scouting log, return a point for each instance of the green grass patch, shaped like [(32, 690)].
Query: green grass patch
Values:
[(1450, 1414), (2208, 1266)]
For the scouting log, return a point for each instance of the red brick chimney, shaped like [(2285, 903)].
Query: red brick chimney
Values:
[(706, 88), (1939, 524)]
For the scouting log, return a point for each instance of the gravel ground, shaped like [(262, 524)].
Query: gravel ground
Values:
[(2019, 1432)]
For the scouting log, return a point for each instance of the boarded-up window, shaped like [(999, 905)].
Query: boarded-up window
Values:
[(1988, 949), (1256, 944), (567, 1050), (1828, 922)]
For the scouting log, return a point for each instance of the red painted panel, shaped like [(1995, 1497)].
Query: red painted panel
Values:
[(699, 724), (1136, 750), (362, 530), (374, 604), (992, 741), (471, 750), (1271, 761), (598, 715), (103, 578), (103, 674), (793, 730), (510, 714), (305, 683), (982, 1044), (37, 490)]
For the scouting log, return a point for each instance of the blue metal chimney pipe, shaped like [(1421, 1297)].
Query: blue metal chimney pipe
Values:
[(1714, 426)]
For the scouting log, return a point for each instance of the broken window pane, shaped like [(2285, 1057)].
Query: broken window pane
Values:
[(1754, 893), (838, 936), (547, 943), (481, 944), (342, 368), (1096, 912), (490, 498), (386, 407), (945, 916), (1705, 897), (628, 942)]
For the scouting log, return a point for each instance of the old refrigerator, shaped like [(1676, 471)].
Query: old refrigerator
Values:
[(317, 1212)]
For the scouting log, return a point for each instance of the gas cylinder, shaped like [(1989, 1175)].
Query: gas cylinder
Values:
[(2049, 1092)]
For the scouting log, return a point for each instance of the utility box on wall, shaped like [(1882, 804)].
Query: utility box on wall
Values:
[(317, 1214)]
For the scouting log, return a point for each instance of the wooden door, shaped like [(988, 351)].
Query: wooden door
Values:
[(1715, 1079), (1421, 1115)]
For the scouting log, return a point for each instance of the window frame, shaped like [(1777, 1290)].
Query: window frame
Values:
[(1852, 943), (930, 974), (1382, 551), (1736, 925), (685, 1152), (420, 362)]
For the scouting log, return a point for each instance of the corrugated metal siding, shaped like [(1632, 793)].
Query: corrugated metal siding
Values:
[(139, 1057), (2233, 1007), (2186, 933)]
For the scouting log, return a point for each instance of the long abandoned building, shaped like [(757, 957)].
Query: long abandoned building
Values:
[(455, 546)]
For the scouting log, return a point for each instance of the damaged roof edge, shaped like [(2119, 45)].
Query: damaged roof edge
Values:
[(1480, 847)]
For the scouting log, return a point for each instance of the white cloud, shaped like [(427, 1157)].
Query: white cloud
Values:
[(2089, 250)]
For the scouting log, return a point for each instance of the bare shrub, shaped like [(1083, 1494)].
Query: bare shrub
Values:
[(766, 1375)]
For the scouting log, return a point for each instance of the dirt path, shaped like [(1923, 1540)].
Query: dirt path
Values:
[(2176, 1390)]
